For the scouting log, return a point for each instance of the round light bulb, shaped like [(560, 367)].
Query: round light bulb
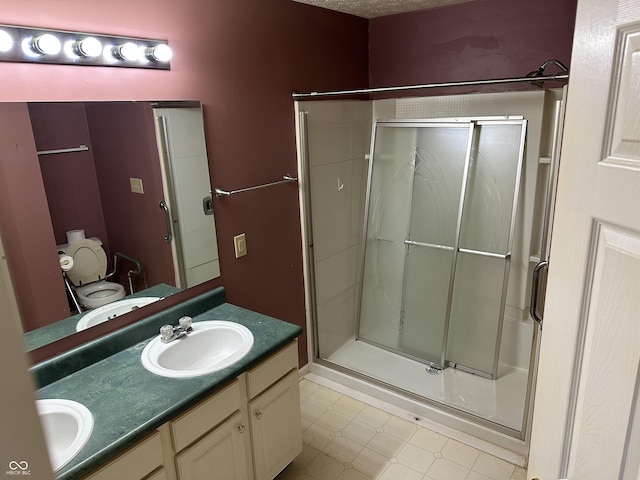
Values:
[(89, 47), (46, 44), (128, 51), (160, 53), (6, 42)]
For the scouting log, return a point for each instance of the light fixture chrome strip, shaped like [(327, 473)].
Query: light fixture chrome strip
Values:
[(49, 46)]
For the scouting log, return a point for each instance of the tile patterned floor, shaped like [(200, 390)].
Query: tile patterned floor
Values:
[(345, 439)]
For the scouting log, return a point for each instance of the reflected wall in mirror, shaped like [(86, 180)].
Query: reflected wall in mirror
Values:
[(137, 155)]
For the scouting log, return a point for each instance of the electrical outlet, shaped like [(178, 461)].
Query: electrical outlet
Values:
[(240, 245), (136, 185)]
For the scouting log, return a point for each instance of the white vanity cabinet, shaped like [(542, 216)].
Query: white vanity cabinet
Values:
[(221, 454), (269, 393), (274, 409), (276, 432), (249, 430)]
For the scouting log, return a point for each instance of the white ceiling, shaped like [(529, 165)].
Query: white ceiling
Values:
[(378, 8)]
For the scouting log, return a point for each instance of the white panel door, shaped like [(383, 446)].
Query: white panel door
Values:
[(187, 186), (586, 414)]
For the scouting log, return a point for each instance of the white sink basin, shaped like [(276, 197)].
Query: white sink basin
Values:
[(112, 310), (211, 346), (67, 427)]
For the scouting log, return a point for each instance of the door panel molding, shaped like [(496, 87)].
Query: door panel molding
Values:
[(623, 137), (610, 354)]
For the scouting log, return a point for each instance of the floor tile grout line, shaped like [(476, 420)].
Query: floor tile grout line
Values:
[(331, 398)]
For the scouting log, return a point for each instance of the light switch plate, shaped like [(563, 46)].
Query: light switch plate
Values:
[(136, 185), (240, 245)]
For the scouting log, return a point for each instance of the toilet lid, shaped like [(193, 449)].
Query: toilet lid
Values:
[(89, 262)]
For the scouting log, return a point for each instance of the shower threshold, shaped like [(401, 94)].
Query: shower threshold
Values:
[(499, 401)]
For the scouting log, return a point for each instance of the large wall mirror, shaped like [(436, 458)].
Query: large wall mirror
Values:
[(97, 189)]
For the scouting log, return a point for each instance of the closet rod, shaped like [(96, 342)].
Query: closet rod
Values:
[(81, 148), (559, 77), (224, 193)]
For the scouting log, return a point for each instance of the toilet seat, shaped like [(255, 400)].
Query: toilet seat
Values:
[(89, 262), (88, 273), (100, 293)]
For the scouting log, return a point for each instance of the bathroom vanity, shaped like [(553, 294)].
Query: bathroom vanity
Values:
[(253, 421), (242, 422)]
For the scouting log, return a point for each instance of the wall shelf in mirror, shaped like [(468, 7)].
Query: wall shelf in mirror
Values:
[(81, 148)]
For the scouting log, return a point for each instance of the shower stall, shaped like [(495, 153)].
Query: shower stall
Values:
[(423, 221)]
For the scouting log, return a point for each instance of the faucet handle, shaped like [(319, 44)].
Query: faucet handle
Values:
[(185, 323), (166, 333)]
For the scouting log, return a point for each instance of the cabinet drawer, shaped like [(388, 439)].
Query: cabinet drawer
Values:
[(272, 369), (194, 423), (137, 462)]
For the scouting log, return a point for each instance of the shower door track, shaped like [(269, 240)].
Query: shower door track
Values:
[(427, 363), (497, 427)]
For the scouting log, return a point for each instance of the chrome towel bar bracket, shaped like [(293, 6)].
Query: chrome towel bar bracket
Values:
[(220, 193)]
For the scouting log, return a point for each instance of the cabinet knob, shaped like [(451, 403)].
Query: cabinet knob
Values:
[(241, 428), (258, 415)]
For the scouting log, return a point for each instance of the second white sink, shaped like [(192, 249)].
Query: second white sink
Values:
[(111, 310), (67, 426), (210, 347)]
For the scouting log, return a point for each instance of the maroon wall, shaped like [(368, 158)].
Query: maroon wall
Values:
[(242, 59), (468, 41), (25, 225), (124, 146), (69, 178)]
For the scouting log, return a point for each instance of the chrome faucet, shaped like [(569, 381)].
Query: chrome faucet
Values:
[(169, 333)]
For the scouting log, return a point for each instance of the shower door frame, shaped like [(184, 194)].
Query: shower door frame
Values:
[(451, 122)]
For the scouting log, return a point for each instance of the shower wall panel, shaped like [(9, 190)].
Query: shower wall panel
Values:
[(338, 140)]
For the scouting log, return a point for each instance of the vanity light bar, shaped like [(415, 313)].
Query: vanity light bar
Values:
[(39, 45)]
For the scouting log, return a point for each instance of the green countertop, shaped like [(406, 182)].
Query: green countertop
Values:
[(128, 402)]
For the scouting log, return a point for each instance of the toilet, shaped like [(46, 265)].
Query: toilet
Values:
[(88, 272)]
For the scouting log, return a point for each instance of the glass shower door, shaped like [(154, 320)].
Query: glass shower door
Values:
[(416, 183), (484, 253), (440, 220)]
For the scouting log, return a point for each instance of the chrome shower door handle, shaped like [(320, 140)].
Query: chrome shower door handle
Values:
[(168, 237), (538, 284)]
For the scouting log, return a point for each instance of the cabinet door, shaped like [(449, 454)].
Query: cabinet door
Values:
[(220, 455), (276, 429)]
